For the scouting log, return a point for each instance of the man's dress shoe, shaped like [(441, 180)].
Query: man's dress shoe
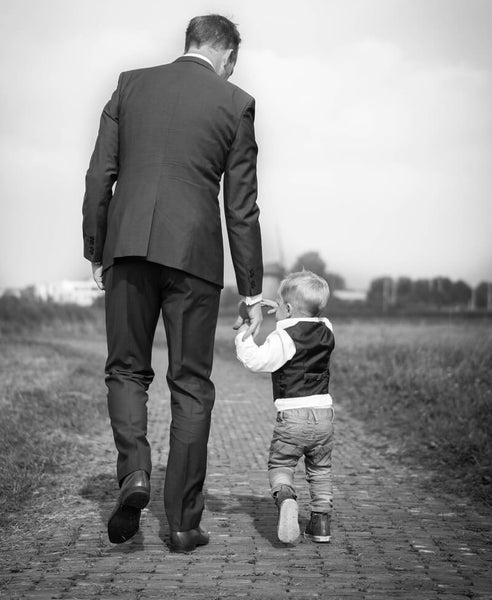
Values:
[(187, 541), (125, 518)]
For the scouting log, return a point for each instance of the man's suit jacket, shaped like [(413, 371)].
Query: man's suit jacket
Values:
[(166, 137)]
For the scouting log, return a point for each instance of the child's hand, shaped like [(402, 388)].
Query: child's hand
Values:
[(242, 330), (272, 304)]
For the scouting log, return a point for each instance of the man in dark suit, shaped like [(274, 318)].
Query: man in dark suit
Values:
[(166, 137)]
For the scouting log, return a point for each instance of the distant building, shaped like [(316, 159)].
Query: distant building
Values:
[(82, 293), (350, 295)]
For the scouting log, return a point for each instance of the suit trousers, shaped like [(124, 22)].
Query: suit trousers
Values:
[(137, 292)]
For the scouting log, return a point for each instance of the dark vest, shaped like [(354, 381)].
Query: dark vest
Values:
[(307, 373)]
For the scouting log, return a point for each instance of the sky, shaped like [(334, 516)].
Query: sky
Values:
[(373, 121)]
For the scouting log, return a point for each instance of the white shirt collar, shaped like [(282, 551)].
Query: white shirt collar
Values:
[(289, 322), (200, 56)]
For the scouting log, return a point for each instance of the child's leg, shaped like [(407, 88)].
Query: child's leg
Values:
[(285, 452), (318, 462), (318, 474)]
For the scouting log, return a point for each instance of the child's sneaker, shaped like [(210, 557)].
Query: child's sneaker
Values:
[(288, 525), (318, 528)]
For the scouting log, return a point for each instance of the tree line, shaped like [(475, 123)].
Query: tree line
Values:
[(387, 293), (435, 293)]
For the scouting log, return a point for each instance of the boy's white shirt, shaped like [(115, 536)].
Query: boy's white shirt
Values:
[(278, 349)]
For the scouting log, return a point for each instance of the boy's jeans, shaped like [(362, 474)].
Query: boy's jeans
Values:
[(308, 432)]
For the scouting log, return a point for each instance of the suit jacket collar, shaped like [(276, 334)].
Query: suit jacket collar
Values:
[(197, 60)]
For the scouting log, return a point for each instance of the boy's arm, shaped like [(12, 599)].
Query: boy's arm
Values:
[(270, 356)]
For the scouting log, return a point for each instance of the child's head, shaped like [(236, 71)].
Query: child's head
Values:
[(302, 294)]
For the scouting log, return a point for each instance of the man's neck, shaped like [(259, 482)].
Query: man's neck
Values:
[(202, 56), (204, 53)]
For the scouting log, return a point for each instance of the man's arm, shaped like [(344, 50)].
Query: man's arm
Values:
[(242, 216), (100, 177)]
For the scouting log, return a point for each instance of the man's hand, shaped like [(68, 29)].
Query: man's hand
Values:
[(242, 317), (251, 316), (97, 272)]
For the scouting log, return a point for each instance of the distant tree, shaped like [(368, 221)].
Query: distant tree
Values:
[(404, 288), (10, 292), (441, 291), (376, 292), (481, 295), (28, 293), (461, 293), (421, 293), (312, 261)]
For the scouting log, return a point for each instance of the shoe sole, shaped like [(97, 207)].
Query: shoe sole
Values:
[(186, 549), (318, 538), (123, 524), (136, 499), (288, 525)]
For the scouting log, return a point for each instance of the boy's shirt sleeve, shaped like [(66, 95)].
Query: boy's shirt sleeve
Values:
[(270, 356)]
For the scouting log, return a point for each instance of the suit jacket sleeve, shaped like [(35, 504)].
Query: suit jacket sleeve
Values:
[(240, 207), (100, 177)]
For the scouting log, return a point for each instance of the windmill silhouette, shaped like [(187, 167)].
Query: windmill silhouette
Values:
[(274, 270)]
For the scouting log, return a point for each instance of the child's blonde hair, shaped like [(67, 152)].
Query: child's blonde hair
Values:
[(306, 291)]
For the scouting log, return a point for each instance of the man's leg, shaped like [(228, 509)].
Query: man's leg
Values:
[(132, 310), (190, 310)]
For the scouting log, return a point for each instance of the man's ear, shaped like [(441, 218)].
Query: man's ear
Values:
[(228, 55)]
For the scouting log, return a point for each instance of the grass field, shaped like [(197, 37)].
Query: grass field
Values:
[(425, 387)]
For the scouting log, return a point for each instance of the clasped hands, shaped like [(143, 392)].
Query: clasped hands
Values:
[(250, 317)]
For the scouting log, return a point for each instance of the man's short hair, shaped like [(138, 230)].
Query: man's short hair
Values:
[(213, 30), (306, 291)]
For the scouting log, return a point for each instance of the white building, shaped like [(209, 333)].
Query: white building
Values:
[(82, 293), (350, 295)]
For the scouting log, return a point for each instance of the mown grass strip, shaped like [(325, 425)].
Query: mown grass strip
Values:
[(51, 397)]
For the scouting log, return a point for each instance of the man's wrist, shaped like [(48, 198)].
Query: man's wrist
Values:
[(250, 300)]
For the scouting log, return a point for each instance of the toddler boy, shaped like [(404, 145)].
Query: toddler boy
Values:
[(297, 354)]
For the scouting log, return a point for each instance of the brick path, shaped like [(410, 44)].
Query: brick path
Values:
[(391, 539)]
